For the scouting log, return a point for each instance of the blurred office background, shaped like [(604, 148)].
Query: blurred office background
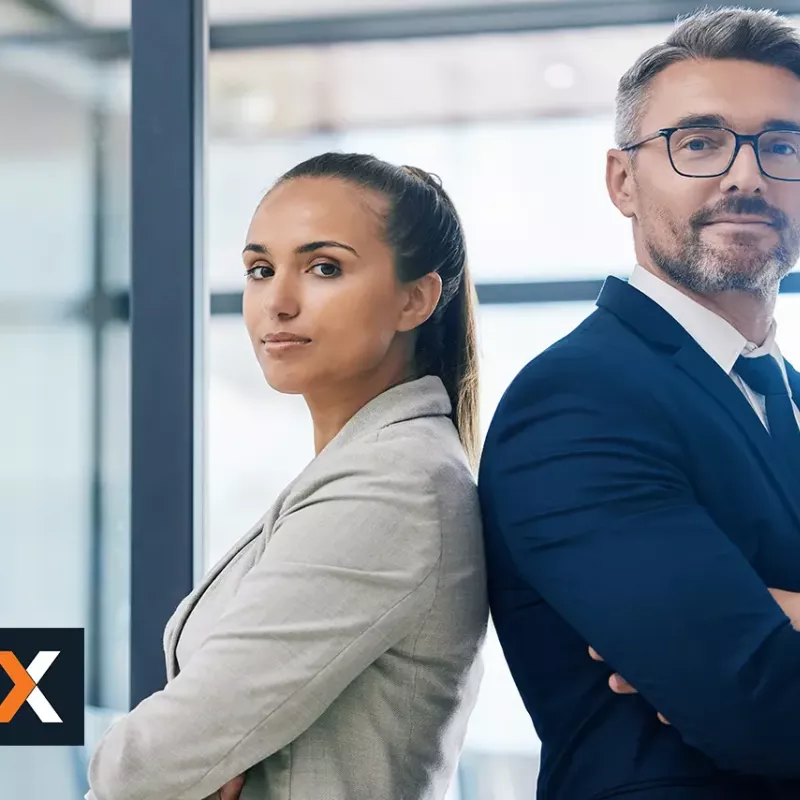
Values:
[(511, 104)]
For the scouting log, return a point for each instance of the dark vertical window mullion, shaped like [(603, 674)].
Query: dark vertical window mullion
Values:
[(168, 312), (98, 321)]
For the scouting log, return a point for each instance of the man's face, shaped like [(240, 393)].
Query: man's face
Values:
[(736, 232)]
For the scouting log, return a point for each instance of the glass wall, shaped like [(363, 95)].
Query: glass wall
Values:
[(517, 126), (63, 361)]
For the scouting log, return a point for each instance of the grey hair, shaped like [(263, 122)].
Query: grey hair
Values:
[(745, 34)]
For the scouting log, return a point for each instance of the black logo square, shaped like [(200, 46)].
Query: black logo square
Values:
[(41, 686)]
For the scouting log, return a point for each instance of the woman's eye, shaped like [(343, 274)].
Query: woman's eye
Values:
[(258, 273), (327, 270)]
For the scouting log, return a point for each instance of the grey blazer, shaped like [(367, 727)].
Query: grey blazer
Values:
[(333, 652)]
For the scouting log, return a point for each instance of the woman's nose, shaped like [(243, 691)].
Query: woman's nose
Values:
[(281, 297)]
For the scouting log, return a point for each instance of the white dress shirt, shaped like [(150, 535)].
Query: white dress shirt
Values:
[(714, 334)]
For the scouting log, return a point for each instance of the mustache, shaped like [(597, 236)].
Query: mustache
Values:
[(741, 205)]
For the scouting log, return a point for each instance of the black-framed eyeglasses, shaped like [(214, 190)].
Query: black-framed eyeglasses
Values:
[(708, 151)]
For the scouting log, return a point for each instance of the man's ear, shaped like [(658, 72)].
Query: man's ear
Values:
[(620, 182), (422, 297)]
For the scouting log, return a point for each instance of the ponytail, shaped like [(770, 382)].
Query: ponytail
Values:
[(447, 347)]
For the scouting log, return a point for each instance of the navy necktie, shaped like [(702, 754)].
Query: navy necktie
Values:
[(763, 375)]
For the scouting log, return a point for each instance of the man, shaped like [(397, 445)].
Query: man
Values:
[(641, 478)]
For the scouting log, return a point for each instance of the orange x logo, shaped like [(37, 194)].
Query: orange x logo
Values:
[(23, 686), (26, 687)]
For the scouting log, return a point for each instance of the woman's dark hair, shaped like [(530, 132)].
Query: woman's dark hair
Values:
[(424, 232)]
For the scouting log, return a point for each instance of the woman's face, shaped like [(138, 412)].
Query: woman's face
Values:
[(322, 302)]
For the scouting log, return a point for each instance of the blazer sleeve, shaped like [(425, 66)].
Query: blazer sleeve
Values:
[(351, 569), (583, 481)]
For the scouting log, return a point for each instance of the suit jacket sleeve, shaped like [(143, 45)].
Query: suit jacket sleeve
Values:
[(583, 479), (349, 571)]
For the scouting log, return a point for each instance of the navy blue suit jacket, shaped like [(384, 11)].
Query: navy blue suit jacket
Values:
[(634, 501)]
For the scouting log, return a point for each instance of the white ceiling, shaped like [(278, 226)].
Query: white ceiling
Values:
[(296, 90), (116, 13), (520, 76), (275, 91)]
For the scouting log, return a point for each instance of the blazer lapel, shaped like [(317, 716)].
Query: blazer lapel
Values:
[(694, 361), (794, 382), (794, 386), (423, 397), (178, 620), (656, 325)]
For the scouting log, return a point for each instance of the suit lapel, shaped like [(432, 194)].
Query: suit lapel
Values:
[(794, 382), (794, 385), (423, 397), (696, 363), (655, 324), (178, 620)]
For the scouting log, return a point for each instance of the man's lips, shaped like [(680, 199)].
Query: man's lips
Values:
[(741, 219)]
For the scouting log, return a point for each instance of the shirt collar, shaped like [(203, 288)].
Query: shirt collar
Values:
[(770, 348), (715, 335)]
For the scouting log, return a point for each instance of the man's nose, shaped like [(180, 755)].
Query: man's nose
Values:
[(744, 175)]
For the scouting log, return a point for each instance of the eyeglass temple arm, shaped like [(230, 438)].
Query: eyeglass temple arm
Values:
[(662, 132)]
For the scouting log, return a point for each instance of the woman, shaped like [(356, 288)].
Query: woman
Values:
[(332, 653)]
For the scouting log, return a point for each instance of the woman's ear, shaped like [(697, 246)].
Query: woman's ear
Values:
[(422, 297)]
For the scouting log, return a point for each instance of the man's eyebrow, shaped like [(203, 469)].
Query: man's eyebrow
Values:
[(701, 120), (782, 125), (718, 120)]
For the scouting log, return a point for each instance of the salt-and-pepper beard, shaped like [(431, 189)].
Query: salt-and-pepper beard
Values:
[(706, 270)]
